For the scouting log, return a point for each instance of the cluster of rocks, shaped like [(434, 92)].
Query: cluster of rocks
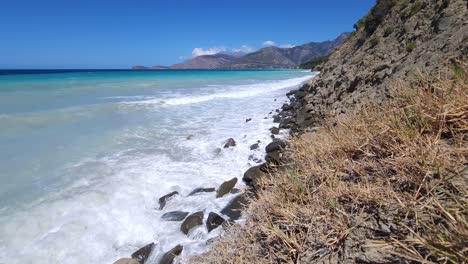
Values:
[(192, 220)]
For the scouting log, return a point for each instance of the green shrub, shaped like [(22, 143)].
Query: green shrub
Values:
[(416, 7), (389, 30), (314, 62), (410, 46)]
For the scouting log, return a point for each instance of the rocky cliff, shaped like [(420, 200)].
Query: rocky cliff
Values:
[(394, 41)]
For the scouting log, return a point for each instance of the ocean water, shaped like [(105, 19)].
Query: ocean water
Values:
[(85, 155)]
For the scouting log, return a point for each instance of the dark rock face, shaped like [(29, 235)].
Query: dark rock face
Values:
[(248, 120), (275, 146), (143, 253), (254, 146), (174, 216), (165, 198), (169, 256), (234, 209), (226, 187), (201, 190), (275, 130), (190, 222), (214, 220), (252, 174), (230, 143)]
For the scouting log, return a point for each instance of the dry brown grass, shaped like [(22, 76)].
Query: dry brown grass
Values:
[(387, 184)]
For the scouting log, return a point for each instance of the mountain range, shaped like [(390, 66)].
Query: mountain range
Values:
[(266, 58)]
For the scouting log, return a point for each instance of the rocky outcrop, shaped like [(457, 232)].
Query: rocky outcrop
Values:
[(394, 41), (234, 208), (192, 221), (230, 143)]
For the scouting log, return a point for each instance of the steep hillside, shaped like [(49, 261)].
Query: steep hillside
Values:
[(395, 40), (206, 62)]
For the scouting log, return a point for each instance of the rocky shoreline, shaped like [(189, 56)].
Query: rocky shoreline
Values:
[(274, 159)]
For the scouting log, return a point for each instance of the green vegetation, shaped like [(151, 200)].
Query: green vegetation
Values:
[(375, 17), (314, 63), (410, 46), (389, 30)]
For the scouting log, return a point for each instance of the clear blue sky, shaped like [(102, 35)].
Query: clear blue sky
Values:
[(119, 34)]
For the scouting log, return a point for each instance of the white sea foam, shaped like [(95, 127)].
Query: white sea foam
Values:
[(107, 208)]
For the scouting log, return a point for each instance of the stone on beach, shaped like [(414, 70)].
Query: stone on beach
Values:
[(226, 187), (190, 222), (275, 146), (174, 216), (254, 146), (234, 209), (127, 261), (214, 220), (165, 198), (230, 143), (275, 130), (200, 190), (169, 256), (143, 253)]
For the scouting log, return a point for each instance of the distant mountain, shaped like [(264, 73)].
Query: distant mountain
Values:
[(150, 68), (206, 62), (266, 58)]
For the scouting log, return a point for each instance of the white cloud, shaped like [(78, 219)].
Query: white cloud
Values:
[(244, 48), (287, 46), (269, 43), (210, 51)]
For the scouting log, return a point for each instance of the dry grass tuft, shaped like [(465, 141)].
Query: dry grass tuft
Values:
[(386, 185)]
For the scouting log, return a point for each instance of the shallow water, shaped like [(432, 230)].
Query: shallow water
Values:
[(85, 156)]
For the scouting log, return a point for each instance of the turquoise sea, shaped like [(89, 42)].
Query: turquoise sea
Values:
[(85, 155)]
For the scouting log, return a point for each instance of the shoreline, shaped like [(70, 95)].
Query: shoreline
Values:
[(235, 208)]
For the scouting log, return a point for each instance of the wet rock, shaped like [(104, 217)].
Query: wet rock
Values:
[(276, 118), (234, 209), (127, 261), (226, 187), (190, 222), (165, 198), (275, 130), (252, 174), (189, 137), (230, 143), (214, 220), (234, 191), (200, 190), (174, 216), (143, 253), (254, 146), (169, 256), (274, 157), (248, 120), (275, 146)]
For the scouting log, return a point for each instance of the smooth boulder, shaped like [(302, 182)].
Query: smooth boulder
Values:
[(252, 174), (230, 143), (214, 220), (126, 261), (143, 253), (275, 146), (190, 222), (200, 190), (226, 187), (165, 198), (169, 256), (174, 216)]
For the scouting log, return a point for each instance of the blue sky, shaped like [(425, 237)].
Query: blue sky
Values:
[(119, 34)]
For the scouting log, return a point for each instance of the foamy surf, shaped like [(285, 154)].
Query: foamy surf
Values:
[(85, 189)]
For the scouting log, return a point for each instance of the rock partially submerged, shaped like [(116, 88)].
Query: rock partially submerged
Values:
[(254, 146), (234, 209), (127, 261), (174, 216), (143, 253), (190, 222), (226, 187), (201, 190), (214, 220), (169, 256), (275, 130), (230, 143), (165, 198), (253, 174)]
